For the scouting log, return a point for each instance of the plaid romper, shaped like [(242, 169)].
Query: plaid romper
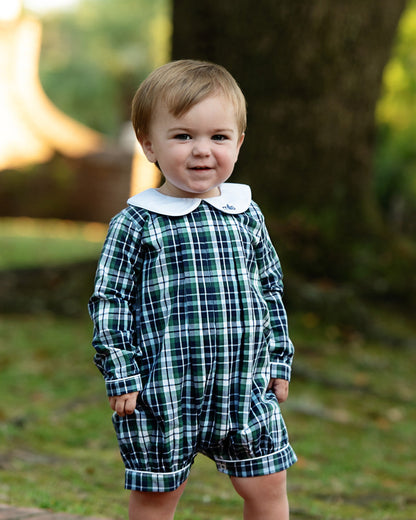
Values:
[(187, 311)]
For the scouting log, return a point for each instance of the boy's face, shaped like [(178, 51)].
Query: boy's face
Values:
[(196, 151)]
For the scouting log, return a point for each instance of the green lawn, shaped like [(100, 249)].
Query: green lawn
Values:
[(28, 242), (351, 415)]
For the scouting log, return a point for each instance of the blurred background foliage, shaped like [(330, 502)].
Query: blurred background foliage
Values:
[(395, 153), (112, 46)]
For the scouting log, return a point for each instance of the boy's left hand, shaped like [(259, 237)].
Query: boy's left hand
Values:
[(280, 388), (124, 404)]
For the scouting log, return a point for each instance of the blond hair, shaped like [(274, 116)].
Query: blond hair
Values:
[(181, 85)]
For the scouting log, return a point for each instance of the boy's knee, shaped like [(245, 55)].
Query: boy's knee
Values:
[(154, 505), (264, 488)]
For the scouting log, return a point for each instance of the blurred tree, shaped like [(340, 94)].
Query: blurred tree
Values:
[(311, 72), (94, 57)]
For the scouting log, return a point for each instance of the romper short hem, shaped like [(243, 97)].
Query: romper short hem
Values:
[(156, 482), (258, 466), (254, 467)]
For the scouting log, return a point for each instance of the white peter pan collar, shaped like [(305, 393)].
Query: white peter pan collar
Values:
[(234, 199)]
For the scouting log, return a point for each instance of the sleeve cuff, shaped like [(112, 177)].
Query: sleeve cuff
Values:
[(280, 371), (124, 386)]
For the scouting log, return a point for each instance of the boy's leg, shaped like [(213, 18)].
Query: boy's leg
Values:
[(264, 497), (146, 505)]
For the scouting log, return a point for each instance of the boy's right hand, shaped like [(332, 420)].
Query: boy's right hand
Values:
[(124, 404)]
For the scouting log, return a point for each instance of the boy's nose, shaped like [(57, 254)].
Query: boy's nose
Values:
[(201, 148)]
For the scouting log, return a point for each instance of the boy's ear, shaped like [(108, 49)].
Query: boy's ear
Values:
[(147, 148), (239, 143), (241, 140)]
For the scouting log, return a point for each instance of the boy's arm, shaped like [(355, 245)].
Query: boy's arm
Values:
[(117, 355), (281, 347)]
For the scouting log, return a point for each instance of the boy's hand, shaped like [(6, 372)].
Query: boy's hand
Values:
[(280, 388), (124, 404)]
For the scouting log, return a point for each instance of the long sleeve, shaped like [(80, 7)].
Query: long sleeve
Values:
[(281, 347), (117, 354)]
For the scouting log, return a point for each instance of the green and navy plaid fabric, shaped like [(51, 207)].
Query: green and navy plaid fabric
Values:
[(188, 311)]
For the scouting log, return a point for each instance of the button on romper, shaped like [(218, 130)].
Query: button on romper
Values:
[(188, 311)]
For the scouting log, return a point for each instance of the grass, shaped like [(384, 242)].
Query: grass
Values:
[(57, 448), (351, 415), (26, 242), (353, 422)]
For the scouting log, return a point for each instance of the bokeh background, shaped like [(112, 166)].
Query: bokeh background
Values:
[(331, 158)]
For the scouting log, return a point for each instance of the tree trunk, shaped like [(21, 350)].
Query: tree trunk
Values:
[(311, 73)]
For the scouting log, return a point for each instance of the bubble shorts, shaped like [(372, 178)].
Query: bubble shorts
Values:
[(158, 454)]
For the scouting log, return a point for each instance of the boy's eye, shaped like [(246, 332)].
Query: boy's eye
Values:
[(219, 137), (183, 137)]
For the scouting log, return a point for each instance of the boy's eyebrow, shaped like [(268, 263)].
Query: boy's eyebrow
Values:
[(188, 128)]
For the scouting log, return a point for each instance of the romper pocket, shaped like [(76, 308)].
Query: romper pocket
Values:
[(134, 434), (265, 432)]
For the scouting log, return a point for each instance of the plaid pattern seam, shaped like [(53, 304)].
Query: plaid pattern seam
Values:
[(188, 311)]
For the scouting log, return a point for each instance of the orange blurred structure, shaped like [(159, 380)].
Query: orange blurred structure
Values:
[(31, 127), (144, 174)]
